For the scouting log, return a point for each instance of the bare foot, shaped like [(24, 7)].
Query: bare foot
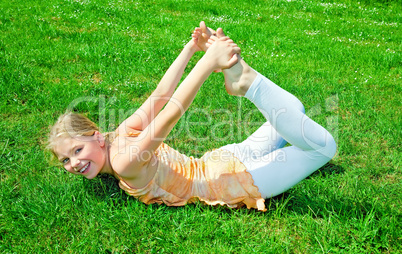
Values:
[(238, 78)]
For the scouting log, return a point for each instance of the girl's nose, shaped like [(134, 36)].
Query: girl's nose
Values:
[(75, 163)]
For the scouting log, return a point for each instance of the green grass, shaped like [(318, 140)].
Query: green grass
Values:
[(342, 59)]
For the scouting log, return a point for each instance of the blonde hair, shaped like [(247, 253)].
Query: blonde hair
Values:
[(72, 125)]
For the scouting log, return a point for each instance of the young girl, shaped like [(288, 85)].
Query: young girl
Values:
[(234, 175)]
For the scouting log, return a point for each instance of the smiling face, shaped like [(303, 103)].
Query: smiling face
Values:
[(84, 155)]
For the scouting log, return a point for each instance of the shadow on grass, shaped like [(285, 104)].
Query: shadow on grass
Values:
[(321, 200), (106, 188), (327, 170)]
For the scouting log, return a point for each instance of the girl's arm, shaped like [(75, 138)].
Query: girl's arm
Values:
[(151, 107), (222, 54)]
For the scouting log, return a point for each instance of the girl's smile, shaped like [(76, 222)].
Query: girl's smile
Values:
[(85, 168), (84, 155)]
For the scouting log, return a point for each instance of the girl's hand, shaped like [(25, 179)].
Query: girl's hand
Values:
[(222, 52), (192, 45)]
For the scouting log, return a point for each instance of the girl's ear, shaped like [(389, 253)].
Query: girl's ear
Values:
[(99, 137)]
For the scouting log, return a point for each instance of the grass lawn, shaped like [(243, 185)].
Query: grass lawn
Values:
[(103, 58)]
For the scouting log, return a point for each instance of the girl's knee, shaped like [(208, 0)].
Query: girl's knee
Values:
[(332, 147), (329, 149), (324, 147), (299, 105)]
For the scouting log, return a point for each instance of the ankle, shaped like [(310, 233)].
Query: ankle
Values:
[(246, 79), (239, 78)]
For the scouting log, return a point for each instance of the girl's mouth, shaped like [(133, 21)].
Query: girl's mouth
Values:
[(85, 168)]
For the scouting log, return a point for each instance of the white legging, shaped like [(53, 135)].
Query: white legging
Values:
[(276, 168)]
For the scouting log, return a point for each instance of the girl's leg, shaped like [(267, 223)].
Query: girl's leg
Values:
[(276, 169), (312, 145), (262, 142)]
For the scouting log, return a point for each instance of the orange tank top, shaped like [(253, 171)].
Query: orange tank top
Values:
[(216, 178)]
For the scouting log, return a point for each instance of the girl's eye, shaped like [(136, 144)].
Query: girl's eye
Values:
[(78, 150), (64, 161)]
